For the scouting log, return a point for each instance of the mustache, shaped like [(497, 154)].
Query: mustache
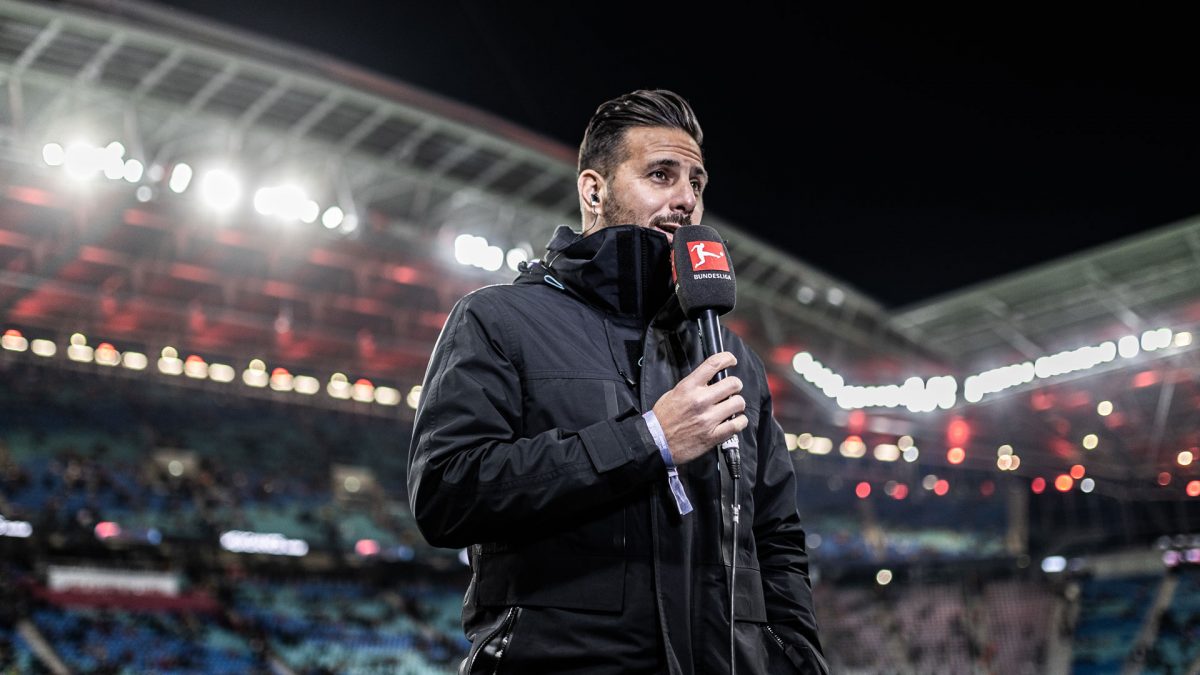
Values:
[(674, 218)]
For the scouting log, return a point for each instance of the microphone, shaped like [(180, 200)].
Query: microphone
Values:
[(706, 288)]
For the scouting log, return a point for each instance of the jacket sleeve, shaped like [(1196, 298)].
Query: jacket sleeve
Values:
[(474, 476), (779, 538)]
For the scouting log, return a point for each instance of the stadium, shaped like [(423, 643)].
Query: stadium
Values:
[(224, 263)]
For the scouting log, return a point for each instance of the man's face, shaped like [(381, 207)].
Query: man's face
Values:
[(659, 185)]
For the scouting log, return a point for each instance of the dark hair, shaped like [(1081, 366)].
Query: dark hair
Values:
[(603, 145)]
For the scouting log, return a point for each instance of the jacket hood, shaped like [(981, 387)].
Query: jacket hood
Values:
[(624, 269)]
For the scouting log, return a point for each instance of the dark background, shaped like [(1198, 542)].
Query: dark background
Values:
[(908, 152)]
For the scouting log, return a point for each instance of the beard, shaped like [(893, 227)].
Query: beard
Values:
[(617, 213)]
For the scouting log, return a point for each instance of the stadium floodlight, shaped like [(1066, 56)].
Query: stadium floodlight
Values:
[(53, 154), (13, 341), (1128, 347), (1183, 339), (113, 161), (195, 367), (132, 170), (364, 391), (286, 202), (255, 374), (1054, 564), (220, 189), (79, 349), (835, 296), (307, 385), (853, 447), (805, 295), (169, 362), (282, 380), (911, 453), (1153, 340), (1087, 485), (43, 348), (339, 386), (181, 178), (883, 577), (107, 355), (221, 372), (789, 440), (414, 396), (175, 468), (387, 396), (332, 217), (349, 224), (143, 193), (515, 257), (804, 441), (929, 481), (821, 446), (83, 160), (1090, 441), (1104, 408), (885, 452), (1185, 458), (493, 259)]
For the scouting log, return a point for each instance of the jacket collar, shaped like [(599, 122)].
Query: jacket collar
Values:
[(624, 270)]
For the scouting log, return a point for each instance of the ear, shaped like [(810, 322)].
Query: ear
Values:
[(590, 185)]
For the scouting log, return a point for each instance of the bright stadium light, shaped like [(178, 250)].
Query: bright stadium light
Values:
[(805, 295), (220, 189), (134, 360), (885, 452), (349, 224), (132, 170), (13, 341), (387, 396), (911, 453), (1183, 339), (414, 397), (332, 217), (1090, 441), (53, 154), (364, 391), (286, 202), (835, 296), (144, 193), (221, 372), (255, 375), (83, 160), (195, 368), (1153, 340), (515, 257), (1104, 408), (43, 348), (492, 259), (113, 161), (821, 446), (1128, 347), (79, 349), (339, 386), (307, 385), (169, 362), (1054, 564), (181, 177)]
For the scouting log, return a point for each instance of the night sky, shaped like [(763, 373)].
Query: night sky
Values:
[(909, 153)]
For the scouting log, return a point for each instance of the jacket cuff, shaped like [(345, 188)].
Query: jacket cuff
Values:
[(614, 443)]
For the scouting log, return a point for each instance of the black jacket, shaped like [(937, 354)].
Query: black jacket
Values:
[(529, 447)]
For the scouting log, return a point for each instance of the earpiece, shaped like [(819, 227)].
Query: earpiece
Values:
[(595, 198)]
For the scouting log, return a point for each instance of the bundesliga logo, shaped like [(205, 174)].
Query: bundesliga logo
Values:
[(708, 255)]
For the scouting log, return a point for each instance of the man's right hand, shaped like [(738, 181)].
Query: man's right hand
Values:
[(694, 416)]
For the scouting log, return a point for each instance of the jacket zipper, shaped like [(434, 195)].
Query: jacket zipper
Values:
[(504, 628), (778, 640)]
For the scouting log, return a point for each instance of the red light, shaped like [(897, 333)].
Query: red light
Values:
[(987, 489), (1164, 479), (13, 332), (1038, 485), (863, 490), (1041, 401), (103, 346), (1063, 483), (941, 487), (1193, 488), (1145, 379), (194, 359), (107, 529), (279, 371), (956, 455), (958, 431), (366, 547), (363, 381), (856, 421), (900, 492), (1077, 471)]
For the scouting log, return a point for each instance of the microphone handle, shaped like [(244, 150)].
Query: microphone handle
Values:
[(710, 338)]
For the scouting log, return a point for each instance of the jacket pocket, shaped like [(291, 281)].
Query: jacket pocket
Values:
[(787, 657), (486, 653)]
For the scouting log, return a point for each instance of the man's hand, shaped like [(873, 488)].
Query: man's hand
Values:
[(694, 416)]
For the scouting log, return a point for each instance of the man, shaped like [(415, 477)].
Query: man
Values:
[(565, 434)]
